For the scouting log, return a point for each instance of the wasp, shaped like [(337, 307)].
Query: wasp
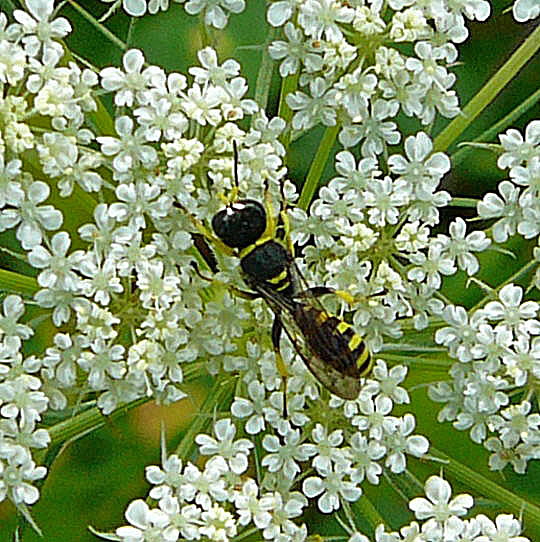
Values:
[(246, 228)]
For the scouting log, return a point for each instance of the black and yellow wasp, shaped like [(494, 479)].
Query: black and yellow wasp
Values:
[(247, 229)]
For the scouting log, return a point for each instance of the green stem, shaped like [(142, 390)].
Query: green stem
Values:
[(215, 400), (99, 27), (317, 166), (17, 255), (405, 484), (498, 127), (469, 203), (288, 84), (264, 77), (527, 268), (90, 420), (87, 421), (471, 478), (488, 92), (437, 370), (17, 283), (8, 7), (365, 509)]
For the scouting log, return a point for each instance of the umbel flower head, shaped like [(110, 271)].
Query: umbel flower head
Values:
[(111, 222)]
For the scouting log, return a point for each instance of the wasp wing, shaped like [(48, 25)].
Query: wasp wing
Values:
[(334, 354)]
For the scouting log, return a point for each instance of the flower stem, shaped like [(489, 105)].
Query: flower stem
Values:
[(364, 508), (471, 478), (468, 203), (497, 128), (488, 92), (288, 84), (519, 274), (85, 422), (100, 27), (317, 166), (264, 77), (215, 400), (17, 283)]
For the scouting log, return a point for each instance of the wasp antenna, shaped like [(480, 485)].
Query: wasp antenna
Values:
[(235, 154)]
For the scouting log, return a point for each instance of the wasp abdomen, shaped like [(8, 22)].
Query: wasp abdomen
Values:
[(334, 341)]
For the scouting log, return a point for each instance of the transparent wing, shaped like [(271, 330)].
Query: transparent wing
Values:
[(322, 342)]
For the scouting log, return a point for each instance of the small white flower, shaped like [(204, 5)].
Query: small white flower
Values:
[(319, 107), (322, 18), (129, 85), (217, 524), (251, 508), (326, 448), (129, 150), (515, 424), (330, 487), (211, 71), (215, 11), (13, 309), (518, 150), (24, 209), (18, 471), (145, 523), (202, 104), (428, 269), (364, 456), (236, 452), (511, 314), (460, 246), (37, 28), (441, 510), (284, 457), (401, 442), (505, 206), (58, 268), (506, 528), (252, 408), (525, 10), (281, 11)]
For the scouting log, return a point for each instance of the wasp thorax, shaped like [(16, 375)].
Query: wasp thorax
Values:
[(240, 224)]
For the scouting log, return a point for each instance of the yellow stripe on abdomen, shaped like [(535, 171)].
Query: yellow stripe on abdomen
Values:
[(279, 278)]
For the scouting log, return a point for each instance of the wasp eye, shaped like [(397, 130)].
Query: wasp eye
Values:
[(240, 224)]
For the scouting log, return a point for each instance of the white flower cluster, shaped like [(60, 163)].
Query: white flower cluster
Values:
[(370, 231), (442, 518), (517, 206), (22, 401), (137, 312), (216, 502), (498, 345), (29, 59), (498, 348), (213, 12), (216, 12), (351, 69), (128, 294), (135, 318)]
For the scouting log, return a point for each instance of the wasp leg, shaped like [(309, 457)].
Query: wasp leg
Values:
[(236, 291), (277, 330), (278, 227), (201, 244), (318, 291), (284, 224)]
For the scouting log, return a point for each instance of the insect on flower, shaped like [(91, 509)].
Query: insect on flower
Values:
[(246, 228)]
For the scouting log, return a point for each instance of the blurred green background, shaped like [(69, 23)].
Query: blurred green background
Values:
[(95, 478)]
